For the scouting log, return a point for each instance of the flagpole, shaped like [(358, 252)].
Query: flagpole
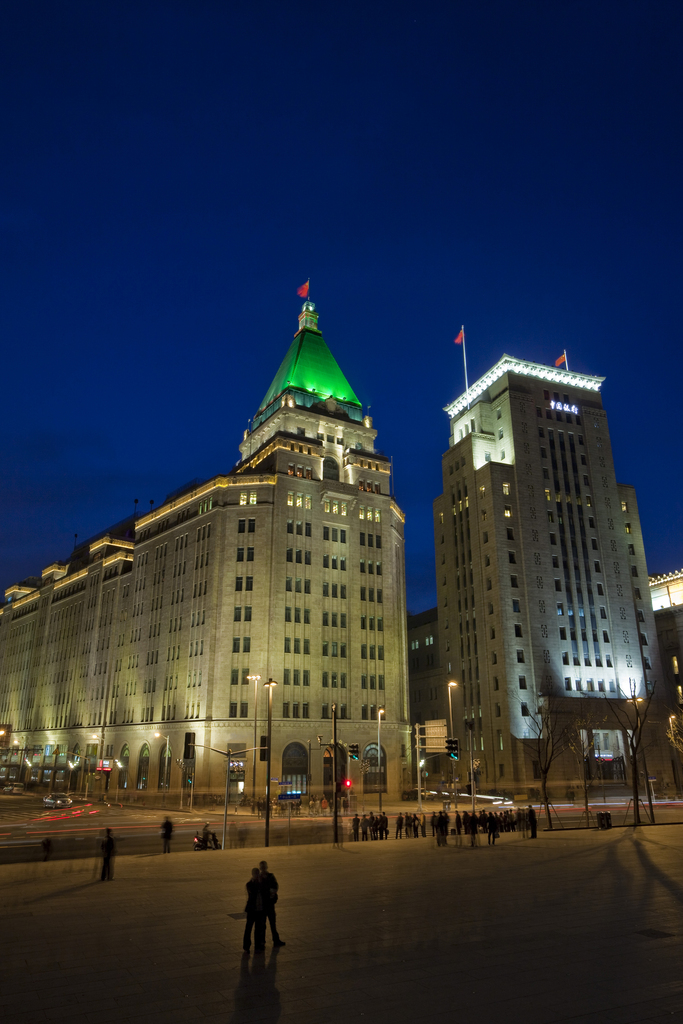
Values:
[(566, 364), (464, 357)]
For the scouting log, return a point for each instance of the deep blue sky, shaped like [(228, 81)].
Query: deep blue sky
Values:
[(171, 172)]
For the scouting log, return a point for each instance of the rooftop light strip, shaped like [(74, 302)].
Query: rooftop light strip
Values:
[(508, 364)]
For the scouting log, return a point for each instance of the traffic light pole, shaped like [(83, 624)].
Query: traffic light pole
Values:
[(419, 769), (334, 776), (473, 785), (270, 684)]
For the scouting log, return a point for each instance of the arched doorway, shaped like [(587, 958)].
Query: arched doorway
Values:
[(124, 760), (295, 768), (330, 469), (372, 779), (165, 766), (143, 767)]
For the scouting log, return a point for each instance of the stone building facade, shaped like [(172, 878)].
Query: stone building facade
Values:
[(541, 575), (289, 567)]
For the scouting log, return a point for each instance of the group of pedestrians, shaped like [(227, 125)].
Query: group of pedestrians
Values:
[(489, 823)]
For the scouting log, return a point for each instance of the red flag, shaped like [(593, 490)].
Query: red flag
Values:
[(461, 337), (562, 359), (302, 292)]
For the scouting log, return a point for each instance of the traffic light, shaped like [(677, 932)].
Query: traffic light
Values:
[(353, 751), (188, 753), (347, 783), (453, 747), (344, 786), (263, 751)]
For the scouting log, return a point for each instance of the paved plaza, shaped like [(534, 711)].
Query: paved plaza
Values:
[(577, 926)]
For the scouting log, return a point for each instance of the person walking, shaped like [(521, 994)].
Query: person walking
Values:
[(399, 826), (108, 851), (269, 892), (364, 826), (423, 825), (166, 833), (355, 824), (256, 915), (531, 815)]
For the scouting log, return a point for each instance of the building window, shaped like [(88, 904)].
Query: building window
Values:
[(522, 682), (520, 656)]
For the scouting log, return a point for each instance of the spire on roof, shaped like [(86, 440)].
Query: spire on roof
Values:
[(309, 367)]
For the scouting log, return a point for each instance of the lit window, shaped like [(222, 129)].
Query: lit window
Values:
[(506, 488), (507, 511), (624, 506), (243, 498), (252, 497), (290, 498)]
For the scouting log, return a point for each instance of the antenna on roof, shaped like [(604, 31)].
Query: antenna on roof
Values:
[(135, 507), (75, 540)]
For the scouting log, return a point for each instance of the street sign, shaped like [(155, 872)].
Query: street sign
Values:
[(435, 735), (652, 778), (289, 796)]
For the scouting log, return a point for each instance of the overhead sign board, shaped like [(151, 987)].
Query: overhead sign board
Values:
[(289, 796), (435, 735)]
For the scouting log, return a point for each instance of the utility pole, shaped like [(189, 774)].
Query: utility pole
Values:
[(269, 685), (454, 794), (473, 785), (380, 712), (334, 775), (419, 769), (255, 680), (227, 797)]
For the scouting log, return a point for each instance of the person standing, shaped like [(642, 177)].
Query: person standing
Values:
[(531, 814), (399, 826), (269, 892), (423, 825), (434, 824), (491, 827), (355, 825), (166, 833), (473, 830), (108, 851), (256, 915), (364, 826)]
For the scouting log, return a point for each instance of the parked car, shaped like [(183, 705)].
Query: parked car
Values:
[(16, 788), (57, 800)]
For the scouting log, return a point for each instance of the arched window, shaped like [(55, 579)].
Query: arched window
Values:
[(327, 766), (372, 779), (124, 759), (330, 469), (143, 767), (295, 768), (165, 766)]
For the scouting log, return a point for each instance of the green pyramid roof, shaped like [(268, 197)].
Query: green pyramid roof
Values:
[(310, 366)]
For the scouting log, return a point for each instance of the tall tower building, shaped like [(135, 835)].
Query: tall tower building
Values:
[(541, 573), (288, 567)]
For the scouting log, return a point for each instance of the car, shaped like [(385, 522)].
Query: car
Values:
[(57, 800), (16, 788)]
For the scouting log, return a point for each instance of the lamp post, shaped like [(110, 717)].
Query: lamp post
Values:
[(255, 680), (335, 809), (473, 787), (380, 712), (166, 760), (454, 792), (269, 686)]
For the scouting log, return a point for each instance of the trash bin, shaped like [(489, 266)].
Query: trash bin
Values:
[(608, 819), (601, 819)]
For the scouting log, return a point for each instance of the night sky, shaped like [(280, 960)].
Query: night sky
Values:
[(171, 172)]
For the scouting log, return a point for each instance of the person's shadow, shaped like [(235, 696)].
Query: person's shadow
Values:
[(256, 989)]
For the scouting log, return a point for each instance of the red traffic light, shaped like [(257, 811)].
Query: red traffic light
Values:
[(347, 783)]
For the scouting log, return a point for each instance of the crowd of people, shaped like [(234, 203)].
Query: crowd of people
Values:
[(489, 823)]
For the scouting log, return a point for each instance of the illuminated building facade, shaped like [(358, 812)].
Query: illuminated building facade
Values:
[(541, 574), (290, 567), (666, 593)]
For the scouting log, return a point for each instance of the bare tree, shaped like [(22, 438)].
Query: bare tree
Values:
[(632, 716), (674, 732), (580, 740), (549, 742)]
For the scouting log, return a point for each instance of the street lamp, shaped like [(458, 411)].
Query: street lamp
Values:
[(451, 686), (380, 712), (255, 680), (269, 686), (166, 760)]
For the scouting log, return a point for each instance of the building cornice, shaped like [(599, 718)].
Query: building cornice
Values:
[(510, 364)]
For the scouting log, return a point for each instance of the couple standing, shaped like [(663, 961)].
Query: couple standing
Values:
[(262, 895)]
